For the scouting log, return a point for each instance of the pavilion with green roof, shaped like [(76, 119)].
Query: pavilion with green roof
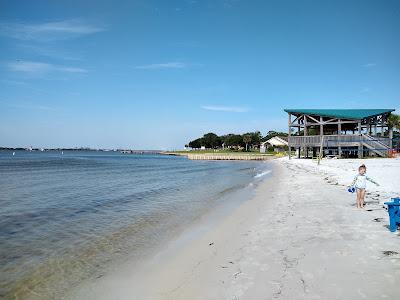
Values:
[(340, 132)]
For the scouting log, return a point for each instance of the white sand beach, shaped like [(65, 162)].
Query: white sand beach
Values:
[(386, 171), (300, 237)]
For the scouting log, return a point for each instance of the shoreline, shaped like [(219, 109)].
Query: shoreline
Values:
[(299, 237)]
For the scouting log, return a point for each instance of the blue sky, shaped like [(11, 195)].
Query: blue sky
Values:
[(156, 74)]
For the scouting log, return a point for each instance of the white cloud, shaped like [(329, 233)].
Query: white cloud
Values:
[(49, 31), (70, 69), (234, 109), (369, 65), (41, 68), (12, 82), (26, 105), (168, 65), (32, 107), (48, 51)]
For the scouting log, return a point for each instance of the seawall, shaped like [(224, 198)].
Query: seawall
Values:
[(228, 157)]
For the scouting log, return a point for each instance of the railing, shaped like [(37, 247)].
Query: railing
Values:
[(304, 140), (315, 140), (336, 140), (375, 145), (384, 140)]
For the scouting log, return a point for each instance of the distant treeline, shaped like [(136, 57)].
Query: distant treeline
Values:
[(246, 140)]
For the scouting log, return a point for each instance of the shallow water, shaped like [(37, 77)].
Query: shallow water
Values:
[(63, 218)]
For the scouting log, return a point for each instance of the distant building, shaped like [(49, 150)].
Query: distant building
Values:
[(277, 142)]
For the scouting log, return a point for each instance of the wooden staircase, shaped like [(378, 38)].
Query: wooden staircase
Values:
[(374, 144)]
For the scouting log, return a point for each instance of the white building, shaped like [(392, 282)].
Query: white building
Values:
[(277, 142)]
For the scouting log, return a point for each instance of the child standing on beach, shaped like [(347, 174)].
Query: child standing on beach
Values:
[(360, 183)]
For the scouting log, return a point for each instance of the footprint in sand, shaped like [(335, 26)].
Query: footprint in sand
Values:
[(378, 220), (390, 253)]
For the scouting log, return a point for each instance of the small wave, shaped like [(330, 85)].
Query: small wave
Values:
[(262, 174), (245, 169)]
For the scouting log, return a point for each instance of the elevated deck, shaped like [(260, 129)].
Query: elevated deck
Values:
[(378, 145), (335, 140), (327, 130)]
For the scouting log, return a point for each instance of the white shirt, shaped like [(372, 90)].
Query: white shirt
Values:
[(360, 181)]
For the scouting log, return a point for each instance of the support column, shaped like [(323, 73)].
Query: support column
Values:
[(298, 133), (289, 134), (321, 134), (360, 145), (305, 133), (339, 133), (321, 127)]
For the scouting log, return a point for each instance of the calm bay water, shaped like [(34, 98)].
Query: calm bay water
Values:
[(63, 218)]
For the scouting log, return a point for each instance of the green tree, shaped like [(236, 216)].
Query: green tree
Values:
[(196, 144), (256, 138), (211, 140), (247, 139), (394, 121), (233, 140)]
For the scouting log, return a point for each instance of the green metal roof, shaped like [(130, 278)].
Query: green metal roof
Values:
[(356, 114)]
